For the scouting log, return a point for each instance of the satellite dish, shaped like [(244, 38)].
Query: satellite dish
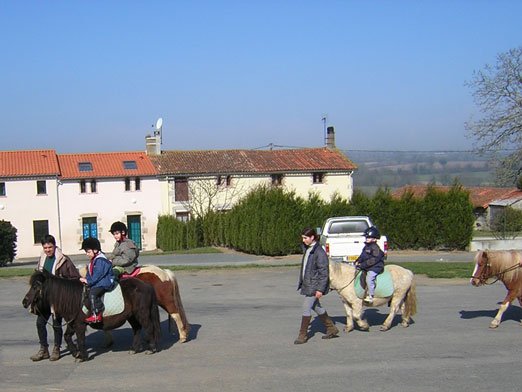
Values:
[(159, 123)]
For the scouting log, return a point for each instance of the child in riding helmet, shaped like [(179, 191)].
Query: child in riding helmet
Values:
[(371, 261), (125, 253), (99, 277)]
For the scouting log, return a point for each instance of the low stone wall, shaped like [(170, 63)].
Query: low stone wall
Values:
[(494, 244)]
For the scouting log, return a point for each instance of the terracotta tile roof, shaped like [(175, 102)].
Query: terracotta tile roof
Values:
[(109, 164), (28, 163), (251, 161), (479, 196)]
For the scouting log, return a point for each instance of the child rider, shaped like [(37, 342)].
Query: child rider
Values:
[(371, 261)]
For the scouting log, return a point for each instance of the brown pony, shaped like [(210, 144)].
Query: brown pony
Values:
[(503, 265), (168, 295)]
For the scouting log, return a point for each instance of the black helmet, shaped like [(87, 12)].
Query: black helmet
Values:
[(372, 232), (118, 226), (91, 243)]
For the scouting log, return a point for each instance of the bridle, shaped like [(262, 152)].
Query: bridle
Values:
[(37, 311), (483, 277)]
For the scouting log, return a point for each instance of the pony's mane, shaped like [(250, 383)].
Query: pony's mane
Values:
[(502, 260), (339, 275), (64, 295)]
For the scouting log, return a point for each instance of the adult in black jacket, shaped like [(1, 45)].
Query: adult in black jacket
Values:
[(313, 283)]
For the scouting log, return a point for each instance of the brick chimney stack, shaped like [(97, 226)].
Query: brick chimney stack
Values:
[(330, 137)]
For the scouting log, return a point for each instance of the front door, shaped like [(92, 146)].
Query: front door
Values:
[(134, 225)]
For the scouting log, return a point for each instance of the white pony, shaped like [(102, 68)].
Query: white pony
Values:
[(342, 277)]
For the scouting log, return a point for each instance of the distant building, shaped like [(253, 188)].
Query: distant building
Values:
[(487, 201)]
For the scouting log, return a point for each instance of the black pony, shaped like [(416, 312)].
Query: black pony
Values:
[(64, 296)]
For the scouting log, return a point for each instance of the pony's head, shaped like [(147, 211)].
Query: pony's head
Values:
[(34, 297), (482, 270)]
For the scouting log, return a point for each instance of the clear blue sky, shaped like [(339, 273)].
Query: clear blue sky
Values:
[(85, 76)]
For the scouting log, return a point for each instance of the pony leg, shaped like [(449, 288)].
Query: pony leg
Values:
[(405, 316), (67, 336), (108, 340), (505, 304), (136, 336), (183, 330), (349, 316), (395, 303), (80, 329)]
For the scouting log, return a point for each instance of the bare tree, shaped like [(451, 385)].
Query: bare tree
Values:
[(497, 90), (212, 194)]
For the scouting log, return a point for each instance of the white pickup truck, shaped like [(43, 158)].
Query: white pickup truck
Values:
[(342, 237)]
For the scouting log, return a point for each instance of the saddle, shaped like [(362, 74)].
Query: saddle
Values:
[(383, 285), (135, 272)]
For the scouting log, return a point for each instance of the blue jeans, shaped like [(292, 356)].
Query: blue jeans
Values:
[(370, 282)]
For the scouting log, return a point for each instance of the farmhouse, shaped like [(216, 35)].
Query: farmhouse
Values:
[(73, 196)]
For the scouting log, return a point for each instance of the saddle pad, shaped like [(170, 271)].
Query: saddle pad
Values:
[(383, 285), (113, 302)]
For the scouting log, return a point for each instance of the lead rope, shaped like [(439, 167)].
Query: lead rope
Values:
[(357, 272)]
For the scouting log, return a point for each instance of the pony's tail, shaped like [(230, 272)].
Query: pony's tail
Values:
[(410, 302), (177, 300), (155, 318)]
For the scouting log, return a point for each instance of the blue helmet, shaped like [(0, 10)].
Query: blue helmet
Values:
[(372, 232)]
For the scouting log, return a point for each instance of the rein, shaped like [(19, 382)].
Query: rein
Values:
[(357, 272), (498, 276)]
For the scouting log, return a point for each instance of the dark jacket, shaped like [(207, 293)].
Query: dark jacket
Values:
[(371, 258), (63, 267), (316, 275), (99, 273)]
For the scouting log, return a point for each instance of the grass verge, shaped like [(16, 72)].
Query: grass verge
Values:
[(430, 269)]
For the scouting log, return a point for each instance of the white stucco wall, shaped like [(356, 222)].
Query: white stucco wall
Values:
[(110, 203), (301, 184), (21, 206)]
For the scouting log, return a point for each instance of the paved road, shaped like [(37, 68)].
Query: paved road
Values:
[(244, 323)]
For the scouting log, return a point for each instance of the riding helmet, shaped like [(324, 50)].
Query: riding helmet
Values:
[(118, 226), (372, 232), (91, 243)]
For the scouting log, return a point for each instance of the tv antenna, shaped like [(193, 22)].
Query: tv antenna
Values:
[(159, 126)]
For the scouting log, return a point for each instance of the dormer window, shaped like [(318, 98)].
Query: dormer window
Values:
[(277, 179), (130, 165), (85, 166), (318, 178)]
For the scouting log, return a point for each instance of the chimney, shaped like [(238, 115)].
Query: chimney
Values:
[(330, 137), (153, 144)]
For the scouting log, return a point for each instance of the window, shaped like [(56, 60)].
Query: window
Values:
[(137, 184), (127, 184), (40, 230), (93, 186), (85, 166), (2, 188), (130, 165), (82, 186), (277, 179), (182, 216), (318, 178), (89, 227), (41, 188), (224, 180), (181, 192)]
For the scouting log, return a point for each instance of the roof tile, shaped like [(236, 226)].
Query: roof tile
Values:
[(28, 163)]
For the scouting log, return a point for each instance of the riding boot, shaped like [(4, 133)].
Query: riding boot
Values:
[(303, 332), (43, 353), (55, 355), (331, 329)]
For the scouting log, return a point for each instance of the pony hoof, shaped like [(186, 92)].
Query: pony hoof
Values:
[(132, 352), (493, 326), (383, 328), (150, 352), (347, 330), (405, 324)]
